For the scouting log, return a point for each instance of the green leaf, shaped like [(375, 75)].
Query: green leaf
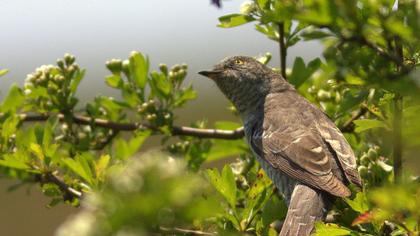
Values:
[(101, 165), (36, 149), (274, 209), (312, 33), (14, 161), (233, 20), (399, 28), (126, 149), (263, 4), (3, 72), (130, 96), (323, 229), (352, 99), (224, 184), (268, 30), (75, 81), (184, 96), (366, 124), (9, 126), (160, 84), (139, 68), (301, 72), (359, 203), (79, 167), (114, 81), (13, 100)]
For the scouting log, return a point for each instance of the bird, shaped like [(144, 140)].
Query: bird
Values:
[(302, 151)]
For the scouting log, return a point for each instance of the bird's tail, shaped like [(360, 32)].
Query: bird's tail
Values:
[(307, 205)]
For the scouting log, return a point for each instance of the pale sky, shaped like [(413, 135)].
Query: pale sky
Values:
[(36, 32)]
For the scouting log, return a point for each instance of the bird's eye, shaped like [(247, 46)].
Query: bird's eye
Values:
[(238, 62)]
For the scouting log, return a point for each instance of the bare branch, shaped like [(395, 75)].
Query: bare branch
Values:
[(69, 192), (176, 130)]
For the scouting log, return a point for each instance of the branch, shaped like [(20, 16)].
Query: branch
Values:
[(176, 130), (363, 41), (348, 126), (176, 230), (69, 192), (283, 50)]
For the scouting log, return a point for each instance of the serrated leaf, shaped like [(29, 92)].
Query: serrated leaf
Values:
[(139, 68), (366, 124), (225, 184), (359, 203), (301, 72), (233, 20)]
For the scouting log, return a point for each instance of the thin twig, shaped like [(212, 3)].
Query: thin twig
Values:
[(176, 130), (69, 192), (180, 231), (283, 50), (348, 126), (363, 41)]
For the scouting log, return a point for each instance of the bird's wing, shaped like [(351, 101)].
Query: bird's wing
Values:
[(301, 154), (337, 143)]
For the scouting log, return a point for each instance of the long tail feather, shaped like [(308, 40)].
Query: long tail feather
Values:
[(307, 205)]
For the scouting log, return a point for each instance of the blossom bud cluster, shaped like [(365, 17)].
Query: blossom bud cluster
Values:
[(51, 82), (372, 166)]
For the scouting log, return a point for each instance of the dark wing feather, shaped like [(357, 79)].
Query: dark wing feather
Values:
[(303, 157), (333, 137)]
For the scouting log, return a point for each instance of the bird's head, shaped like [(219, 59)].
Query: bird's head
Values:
[(243, 78)]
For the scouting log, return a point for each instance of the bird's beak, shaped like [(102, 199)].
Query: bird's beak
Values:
[(210, 73)]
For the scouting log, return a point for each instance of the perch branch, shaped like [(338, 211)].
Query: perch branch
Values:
[(176, 130)]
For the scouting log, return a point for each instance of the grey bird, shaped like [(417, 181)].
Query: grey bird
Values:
[(298, 146)]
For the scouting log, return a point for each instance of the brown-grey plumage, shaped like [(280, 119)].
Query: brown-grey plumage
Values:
[(301, 150)]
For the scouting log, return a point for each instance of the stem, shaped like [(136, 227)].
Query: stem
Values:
[(283, 50), (397, 136), (398, 106)]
